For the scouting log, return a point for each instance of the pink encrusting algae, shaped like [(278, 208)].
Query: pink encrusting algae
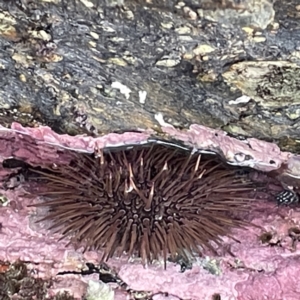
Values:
[(265, 262)]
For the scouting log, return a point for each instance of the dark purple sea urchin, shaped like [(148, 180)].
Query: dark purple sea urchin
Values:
[(147, 201)]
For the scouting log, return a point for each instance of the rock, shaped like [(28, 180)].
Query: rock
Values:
[(61, 61)]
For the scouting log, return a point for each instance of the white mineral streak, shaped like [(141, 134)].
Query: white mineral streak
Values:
[(142, 97), (88, 4), (242, 99), (98, 290), (122, 88), (160, 119)]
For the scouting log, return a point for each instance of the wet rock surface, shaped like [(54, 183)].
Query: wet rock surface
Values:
[(103, 66)]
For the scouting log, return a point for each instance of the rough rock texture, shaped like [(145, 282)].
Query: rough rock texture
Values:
[(84, 66), (101, 69)]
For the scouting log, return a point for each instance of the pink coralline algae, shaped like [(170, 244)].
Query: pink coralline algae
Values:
[(264, 263)]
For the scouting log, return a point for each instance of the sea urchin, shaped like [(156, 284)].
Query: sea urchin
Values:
[(153, 202)]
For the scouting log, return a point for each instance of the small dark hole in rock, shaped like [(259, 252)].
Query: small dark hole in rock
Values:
[(294, 231), (265, 237), (216, 296)]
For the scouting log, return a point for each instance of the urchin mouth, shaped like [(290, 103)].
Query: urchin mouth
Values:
[(151, 201)]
